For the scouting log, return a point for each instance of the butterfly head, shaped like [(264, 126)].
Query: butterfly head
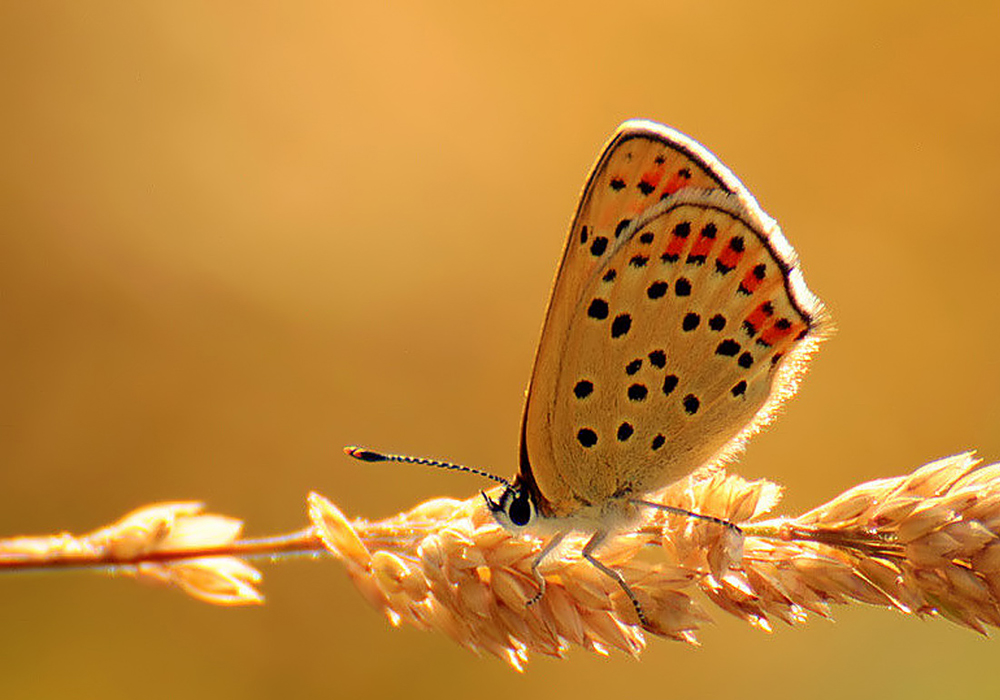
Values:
[(516, 508)]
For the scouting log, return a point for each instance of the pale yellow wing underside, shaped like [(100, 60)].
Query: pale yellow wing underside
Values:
[(677, 323)]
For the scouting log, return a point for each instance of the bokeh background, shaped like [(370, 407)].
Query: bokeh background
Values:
[(235, 237)]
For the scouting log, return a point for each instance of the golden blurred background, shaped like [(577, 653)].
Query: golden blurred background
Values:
[(236, 237)]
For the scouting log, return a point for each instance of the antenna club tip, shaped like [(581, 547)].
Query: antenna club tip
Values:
[(363, 454)]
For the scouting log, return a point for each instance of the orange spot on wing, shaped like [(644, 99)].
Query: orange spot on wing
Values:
[(730, 258), (702, 246), (773, 334), (758, 317), (675, 247), (750, 282), (652, 178), (678, 180)]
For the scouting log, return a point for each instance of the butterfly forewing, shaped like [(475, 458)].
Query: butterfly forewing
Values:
[(677, 321)]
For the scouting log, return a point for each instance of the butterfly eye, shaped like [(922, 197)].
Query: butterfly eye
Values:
[(519, 510)]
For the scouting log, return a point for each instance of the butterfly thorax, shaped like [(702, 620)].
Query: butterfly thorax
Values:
[(521, 508)]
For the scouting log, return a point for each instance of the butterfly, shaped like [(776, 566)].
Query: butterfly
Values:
[(678, 323)]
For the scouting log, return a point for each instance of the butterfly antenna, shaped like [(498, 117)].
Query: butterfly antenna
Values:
[(366, 455)]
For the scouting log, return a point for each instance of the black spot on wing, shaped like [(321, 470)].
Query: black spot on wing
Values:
[(637, 392), (669, 384), (586, 437), (598, 309), (691, 404), (622, 225), (621, 325), (656, 289)]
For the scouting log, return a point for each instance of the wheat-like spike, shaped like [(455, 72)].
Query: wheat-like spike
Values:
[(166, 543), (925, 544)]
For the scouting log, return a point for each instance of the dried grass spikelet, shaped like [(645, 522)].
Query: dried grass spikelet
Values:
[(143, 544), (925, 544)]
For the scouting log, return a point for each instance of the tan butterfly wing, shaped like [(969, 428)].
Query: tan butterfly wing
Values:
[(677, 323)]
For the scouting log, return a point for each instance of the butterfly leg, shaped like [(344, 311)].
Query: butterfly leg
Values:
[(546, 551), (588, 554)]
